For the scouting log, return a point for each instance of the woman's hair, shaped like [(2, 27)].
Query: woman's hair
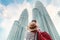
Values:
[(34, 21)]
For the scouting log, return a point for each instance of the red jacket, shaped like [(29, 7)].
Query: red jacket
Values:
[(43, 36)]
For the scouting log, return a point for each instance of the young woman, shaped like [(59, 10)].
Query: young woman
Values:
[(35, 34)]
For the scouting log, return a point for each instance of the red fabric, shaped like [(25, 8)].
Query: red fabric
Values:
[(43, 36)]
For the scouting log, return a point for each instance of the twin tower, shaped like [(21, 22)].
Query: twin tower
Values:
[(39, 13)]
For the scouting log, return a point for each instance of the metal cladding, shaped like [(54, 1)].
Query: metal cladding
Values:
[(18, 30), (44, 20)]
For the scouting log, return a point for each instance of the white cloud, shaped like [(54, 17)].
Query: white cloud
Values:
[(52, 10), (56, 3)]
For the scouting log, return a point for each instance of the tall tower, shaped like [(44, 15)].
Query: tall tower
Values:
[(44, 20), (18, 30)]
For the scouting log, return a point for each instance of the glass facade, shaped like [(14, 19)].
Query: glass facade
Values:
[(44, 20), (18, 30)]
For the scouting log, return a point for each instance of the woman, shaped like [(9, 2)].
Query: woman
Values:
[(35, 34)]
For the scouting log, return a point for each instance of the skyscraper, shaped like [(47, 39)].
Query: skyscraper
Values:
[(44, 20), (18, 30)]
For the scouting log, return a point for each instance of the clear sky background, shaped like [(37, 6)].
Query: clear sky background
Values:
[(10, 11)]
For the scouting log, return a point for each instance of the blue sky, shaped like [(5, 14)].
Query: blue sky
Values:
[(10, 10), (7, 2)]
